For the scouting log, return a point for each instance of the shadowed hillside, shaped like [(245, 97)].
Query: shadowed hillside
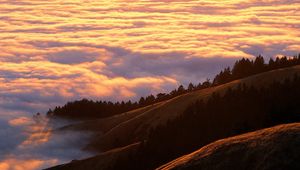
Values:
[(134, 126), (177, 127), (274, 148), (103, 161), (191, 118)]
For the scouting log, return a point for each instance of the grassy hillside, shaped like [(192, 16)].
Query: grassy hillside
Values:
[(103, 161), (269, 149), (104, 125), (133, 127)]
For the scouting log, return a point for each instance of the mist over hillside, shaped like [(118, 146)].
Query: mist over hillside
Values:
[(31, 142)]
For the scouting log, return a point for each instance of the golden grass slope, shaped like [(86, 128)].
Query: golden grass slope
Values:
[(269, 149)]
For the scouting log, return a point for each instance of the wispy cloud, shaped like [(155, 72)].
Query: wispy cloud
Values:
[(29, 143)]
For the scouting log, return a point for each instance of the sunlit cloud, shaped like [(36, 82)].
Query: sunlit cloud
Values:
[(17, 164), (55, 51), (20, 121), (41, 84)]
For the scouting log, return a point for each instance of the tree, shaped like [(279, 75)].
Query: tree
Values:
[(259, 64), (150, 99), (223, 77), (271, 64), (160, 96), (142, 101), (206, 84), (191, 87), (242, 68), (180, 89)]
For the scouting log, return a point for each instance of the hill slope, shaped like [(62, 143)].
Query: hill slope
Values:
[(273, 148), (103, 161), (133, 126)]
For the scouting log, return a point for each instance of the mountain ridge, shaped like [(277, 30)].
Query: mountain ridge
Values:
[(134, 128), (271, 148), (165, 111)]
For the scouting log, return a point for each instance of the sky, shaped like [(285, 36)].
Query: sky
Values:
[(56, 51)]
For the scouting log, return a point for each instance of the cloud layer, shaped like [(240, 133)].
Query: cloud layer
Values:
[(55, 51)]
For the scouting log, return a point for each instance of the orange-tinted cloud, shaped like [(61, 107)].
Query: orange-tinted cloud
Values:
[(55, 51), (33, 164), (20, 121)]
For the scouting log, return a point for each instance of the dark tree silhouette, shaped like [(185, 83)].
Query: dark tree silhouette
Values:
[(242, 68)]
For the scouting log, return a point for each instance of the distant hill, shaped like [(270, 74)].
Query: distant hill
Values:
[(274, 148), (134, 126), (158, 130)]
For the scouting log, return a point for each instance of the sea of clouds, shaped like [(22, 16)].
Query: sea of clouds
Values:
[(55, 51)]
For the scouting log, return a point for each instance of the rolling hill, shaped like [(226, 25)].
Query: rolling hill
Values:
[(119, 133), (268, 149), (133, 126)]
